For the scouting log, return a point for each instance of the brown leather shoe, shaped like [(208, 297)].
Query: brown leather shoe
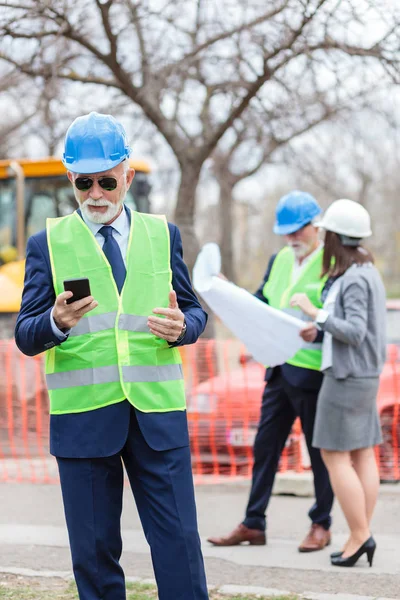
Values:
[(255, 537), (316, 539)]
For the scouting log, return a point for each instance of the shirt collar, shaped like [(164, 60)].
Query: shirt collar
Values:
[(120, 224)]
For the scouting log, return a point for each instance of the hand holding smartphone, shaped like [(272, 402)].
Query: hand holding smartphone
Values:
[(67, 312), (79, 287)]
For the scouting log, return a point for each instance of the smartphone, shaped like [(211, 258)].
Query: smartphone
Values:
[(79, 287)]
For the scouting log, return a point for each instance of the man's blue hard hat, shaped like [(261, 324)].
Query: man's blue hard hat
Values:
[(95, 143), (294, 211)]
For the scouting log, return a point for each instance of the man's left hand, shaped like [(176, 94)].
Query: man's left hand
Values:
[(169, 327), (305, 304)]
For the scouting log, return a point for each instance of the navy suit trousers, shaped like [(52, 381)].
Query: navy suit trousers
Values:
[(282, 402), (162, 485)]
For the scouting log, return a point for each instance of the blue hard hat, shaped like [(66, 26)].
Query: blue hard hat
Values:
[(295, 210), (95, 143)]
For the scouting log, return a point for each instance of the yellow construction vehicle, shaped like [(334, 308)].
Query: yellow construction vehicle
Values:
[(31, 191)]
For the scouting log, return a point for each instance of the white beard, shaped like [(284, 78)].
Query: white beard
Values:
[(300, 250), (96, 217), (111, 212)]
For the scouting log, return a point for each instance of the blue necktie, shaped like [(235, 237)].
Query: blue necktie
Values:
[(113, 254)]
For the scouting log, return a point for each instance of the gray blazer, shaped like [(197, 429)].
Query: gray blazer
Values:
[(358, 325)]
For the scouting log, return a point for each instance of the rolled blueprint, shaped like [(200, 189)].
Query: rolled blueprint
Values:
[(270, 335)]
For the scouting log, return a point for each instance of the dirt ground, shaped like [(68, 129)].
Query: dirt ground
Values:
[(14, 587)]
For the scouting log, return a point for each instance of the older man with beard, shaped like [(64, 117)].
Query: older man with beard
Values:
[(291, 389), (113, 369)]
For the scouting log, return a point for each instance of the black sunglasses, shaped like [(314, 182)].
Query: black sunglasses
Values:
[(84, 184)]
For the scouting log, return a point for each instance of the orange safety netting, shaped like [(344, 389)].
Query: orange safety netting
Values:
[(224, 388)]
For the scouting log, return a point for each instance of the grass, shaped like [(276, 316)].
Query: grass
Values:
[(22, 588)]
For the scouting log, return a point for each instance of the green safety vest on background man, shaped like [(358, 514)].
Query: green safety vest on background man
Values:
[(110, 355), (279, 289)]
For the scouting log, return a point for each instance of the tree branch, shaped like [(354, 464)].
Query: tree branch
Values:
[(104, 8), (144, 56), (374, 51), (222, 36), (71, 75), (257, 84), (28, 36), (16, 6)]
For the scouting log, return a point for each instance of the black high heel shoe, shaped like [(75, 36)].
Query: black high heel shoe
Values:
[(367, 548), (336, 554)]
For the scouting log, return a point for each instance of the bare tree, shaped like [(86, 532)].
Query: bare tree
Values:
[(192, 66), (12, 88), (358, 158), (255, 143), (255, 138)]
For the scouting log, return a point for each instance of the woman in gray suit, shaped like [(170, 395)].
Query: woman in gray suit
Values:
[(353, 354)]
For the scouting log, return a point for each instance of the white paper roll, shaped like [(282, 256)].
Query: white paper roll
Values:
[(270, 335)]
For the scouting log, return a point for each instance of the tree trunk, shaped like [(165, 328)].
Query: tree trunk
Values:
[(185, 212), (184, 218), (225, 209)]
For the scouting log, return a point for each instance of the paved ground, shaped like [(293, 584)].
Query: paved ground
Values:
[(33, 535)]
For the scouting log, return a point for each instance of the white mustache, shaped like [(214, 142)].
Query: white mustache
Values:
[(299, 248), (100, 202)]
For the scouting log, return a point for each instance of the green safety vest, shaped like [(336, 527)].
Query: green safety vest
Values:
[(278, 290), (111, 355)]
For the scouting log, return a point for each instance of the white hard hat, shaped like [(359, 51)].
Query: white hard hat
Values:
[(348, 218)]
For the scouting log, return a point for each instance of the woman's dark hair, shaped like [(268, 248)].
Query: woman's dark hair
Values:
[(338, 258)]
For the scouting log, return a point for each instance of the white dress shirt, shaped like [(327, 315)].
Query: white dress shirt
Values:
[(120, 234), (327, 310)]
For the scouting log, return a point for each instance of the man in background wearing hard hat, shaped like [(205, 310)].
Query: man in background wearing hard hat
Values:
[(113, 371), (292, 389)]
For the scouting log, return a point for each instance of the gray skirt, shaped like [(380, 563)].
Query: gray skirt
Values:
[(347, 414)]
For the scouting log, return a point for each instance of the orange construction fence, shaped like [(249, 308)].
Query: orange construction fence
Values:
[(224, 388)]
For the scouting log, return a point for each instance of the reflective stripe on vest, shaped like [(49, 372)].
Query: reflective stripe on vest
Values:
[(56, 381), (111, 355), (93, 324), (279, 289)]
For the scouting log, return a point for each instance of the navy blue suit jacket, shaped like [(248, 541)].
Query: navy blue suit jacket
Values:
[(101, 432), (307, 379)]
